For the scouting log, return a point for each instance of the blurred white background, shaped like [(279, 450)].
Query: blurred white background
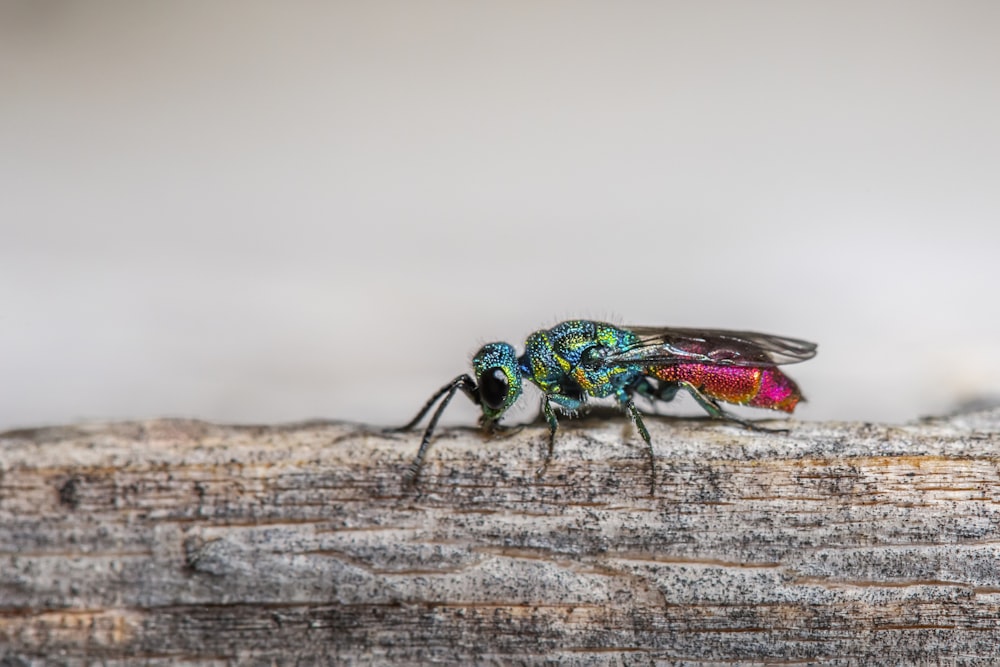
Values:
[(248, 211)]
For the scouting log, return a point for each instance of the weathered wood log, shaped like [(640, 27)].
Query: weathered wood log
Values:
[(179, 542)]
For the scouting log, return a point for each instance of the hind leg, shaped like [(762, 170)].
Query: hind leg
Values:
[(712, 407)]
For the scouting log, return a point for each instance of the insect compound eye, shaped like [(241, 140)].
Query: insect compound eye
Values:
[(493, 388)]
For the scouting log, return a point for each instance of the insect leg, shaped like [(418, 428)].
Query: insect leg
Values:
[(637, 419), (470, 389), (463, 382), (645, 388), (667, 391), (550, 417), (712, 407)]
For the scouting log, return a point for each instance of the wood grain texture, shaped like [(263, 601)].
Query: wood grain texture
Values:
[(179, 542)]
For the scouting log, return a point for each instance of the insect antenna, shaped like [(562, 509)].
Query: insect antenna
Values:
[(463, 382)]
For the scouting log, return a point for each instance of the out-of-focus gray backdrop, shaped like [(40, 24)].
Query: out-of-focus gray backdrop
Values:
[(250, 211)]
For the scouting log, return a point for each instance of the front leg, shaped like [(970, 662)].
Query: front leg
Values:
[(494, 429), (464, 383)]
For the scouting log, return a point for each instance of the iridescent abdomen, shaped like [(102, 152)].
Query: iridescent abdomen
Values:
[(760, 387)]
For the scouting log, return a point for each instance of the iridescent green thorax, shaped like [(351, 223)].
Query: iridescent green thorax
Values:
[(565, 361)]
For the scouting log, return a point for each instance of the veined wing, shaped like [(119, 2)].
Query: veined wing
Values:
[(660, 346)]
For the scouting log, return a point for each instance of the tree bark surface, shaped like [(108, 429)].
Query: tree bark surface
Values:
[(182, 542)]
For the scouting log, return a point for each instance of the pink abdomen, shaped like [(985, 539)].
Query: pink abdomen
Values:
[(765, 387)]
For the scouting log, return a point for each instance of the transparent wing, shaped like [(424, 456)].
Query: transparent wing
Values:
[(659, 346)]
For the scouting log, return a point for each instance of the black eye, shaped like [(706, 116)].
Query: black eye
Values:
[(493, 388)]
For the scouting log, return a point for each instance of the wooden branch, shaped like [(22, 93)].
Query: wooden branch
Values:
[(182, 542)]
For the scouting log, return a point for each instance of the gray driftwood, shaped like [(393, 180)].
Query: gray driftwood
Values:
[(179, 542)]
